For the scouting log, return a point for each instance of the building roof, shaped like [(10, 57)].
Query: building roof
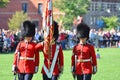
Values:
[(106, 0)]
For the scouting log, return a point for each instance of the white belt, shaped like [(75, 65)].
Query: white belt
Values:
[(26, 58), (84, 60)]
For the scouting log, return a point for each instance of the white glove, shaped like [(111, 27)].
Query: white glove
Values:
[(94, 69), (36, 69), (72, 69), (14, 69), (61, 69)]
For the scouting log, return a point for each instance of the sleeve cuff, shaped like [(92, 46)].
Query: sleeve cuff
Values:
[(36, 69), (13, 68), (95, 68)]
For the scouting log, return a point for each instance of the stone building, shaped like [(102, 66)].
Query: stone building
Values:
[(98, 8)]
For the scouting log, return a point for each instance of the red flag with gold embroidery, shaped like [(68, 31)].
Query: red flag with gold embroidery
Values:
[(48, 27)]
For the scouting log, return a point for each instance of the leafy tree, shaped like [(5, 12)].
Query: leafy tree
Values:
[(111, 22), (3, 3), (71, 8), (16, 20)]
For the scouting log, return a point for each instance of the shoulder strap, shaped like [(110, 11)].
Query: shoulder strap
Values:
[(49, 74), (54, 58)]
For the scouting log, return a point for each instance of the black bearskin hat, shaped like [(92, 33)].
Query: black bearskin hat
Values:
[(28, 29), (56, 32), (83, 31)]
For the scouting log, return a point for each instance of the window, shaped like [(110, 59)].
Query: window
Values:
[(92, 6), (40, 8), (102, 7), (24, 7), (114, 7), (96, 6)]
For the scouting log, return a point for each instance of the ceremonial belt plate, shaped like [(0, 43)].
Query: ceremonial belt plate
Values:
[(27, 58), (83, 60)]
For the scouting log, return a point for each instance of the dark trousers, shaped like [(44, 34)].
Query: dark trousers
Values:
[(84, 77), (23, 76), (0, 49), (54, 77)]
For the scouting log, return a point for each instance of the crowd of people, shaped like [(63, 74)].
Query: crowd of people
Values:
[(10, 39), (105, 39), (99, 38)]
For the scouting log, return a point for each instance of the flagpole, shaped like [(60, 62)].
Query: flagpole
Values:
[(48, 29)]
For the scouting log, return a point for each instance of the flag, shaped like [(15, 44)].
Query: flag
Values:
[(48, 27)]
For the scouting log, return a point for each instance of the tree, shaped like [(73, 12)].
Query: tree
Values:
[(111, 22), (3, 3), (16, 20), (71, 8)]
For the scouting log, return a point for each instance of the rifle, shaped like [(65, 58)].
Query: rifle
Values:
[(74, 68)]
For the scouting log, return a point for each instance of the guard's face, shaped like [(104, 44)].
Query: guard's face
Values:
[(28, 39), (83, 39)]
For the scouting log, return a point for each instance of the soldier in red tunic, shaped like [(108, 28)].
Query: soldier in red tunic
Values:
[(26, 58), (56, 57), (83, 62)]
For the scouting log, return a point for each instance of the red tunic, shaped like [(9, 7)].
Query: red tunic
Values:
[(26, 50), (60, 59), (83, 52)]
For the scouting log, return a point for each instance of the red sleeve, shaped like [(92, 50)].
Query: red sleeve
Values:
[(73, 58), (94, 60), (37, 58), (16, 54), (61, 57), (39, 47), (15, 59)]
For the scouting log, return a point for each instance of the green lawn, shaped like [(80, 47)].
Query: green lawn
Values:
[(108, 66)]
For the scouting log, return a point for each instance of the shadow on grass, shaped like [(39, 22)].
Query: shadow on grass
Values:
[(7, 53)]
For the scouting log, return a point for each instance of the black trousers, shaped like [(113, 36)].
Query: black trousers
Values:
[(0, 49), (23, 76), (54, 77), (84, 77)]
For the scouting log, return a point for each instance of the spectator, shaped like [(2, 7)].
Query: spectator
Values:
[(7, 42), (92, 36), (1, 41)]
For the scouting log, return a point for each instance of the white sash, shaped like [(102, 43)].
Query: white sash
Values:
[(49, 73)]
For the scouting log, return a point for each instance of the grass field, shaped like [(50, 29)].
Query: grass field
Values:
[(108, 66)]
